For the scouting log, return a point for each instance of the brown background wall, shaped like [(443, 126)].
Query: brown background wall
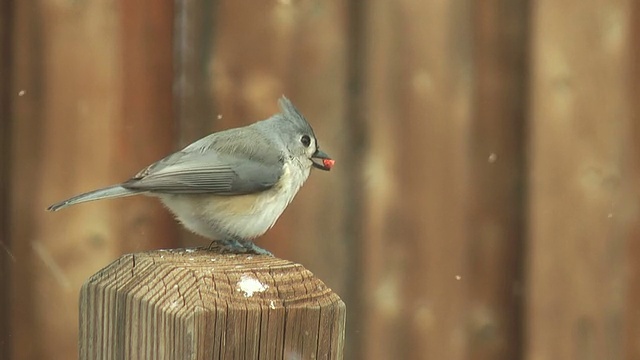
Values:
[(484, 200)]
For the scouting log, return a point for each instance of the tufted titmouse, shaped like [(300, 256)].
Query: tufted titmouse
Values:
[(230, 186)]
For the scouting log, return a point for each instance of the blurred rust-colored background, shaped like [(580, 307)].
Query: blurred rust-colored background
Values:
[(484, 203)]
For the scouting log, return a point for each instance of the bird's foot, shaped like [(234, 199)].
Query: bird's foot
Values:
[(257, 249), (234, 246)]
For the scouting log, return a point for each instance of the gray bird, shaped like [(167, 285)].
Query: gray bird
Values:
[(232, 185)]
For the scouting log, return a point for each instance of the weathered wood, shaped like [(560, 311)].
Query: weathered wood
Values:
[(199, 304)]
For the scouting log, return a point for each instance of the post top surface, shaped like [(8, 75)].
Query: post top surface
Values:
[(196, 277)]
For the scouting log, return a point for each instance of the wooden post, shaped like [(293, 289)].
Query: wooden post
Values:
[(199, 304)]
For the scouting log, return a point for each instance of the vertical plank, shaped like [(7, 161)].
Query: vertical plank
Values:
[(193, 97), (315, 77), (358, 145), (632, 316), (243, 56), (68, 116), (145, 129), (419, 85), (315, 74), (498, 180), (6, 9), (26, 58), (97, 108), (578, 215), (193, 46)]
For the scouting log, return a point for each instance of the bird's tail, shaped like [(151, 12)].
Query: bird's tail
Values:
[(114, 191)]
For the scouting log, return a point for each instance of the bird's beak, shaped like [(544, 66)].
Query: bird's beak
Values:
[(327, 162)]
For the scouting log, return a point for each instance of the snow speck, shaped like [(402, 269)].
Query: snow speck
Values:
[(272, 305), (250, 285), (458, 277), (22, 92), (219, 116), (493, 157)]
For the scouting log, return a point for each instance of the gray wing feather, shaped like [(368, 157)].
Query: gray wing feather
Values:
[(217, 166)]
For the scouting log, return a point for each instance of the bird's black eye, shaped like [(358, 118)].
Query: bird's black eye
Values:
[(305, 140)]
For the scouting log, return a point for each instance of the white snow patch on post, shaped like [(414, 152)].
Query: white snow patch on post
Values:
[(250, 285)]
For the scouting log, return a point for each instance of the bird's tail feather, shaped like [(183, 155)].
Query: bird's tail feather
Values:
[(114, 191)]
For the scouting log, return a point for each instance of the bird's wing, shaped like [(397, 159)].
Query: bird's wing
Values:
[(209, 171)]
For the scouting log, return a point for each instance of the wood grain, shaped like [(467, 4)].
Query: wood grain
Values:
[(199, 304)]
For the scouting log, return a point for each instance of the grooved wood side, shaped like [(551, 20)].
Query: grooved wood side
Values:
[(198, 304)]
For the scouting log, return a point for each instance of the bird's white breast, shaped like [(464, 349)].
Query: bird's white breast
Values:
[(238, 216)]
